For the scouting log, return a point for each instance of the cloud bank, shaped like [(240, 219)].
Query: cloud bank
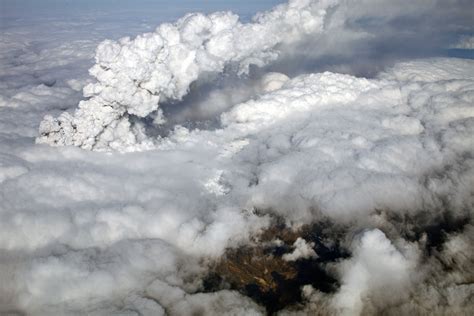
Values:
[(383, 164)]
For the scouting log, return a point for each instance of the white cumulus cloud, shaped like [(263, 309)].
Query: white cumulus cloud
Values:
[(197, 138)]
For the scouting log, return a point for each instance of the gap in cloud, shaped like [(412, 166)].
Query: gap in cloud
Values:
[(262, 271)]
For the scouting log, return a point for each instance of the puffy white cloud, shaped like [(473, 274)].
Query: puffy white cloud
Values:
[(303, 250), (134, 76), (466, 42), (134, 233), (378, 271), (273, 81)]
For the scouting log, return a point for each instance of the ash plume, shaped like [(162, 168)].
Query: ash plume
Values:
[(135, 76), (318, 160)]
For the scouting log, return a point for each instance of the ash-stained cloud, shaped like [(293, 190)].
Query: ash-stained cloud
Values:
[(293, 164), (134, 76)]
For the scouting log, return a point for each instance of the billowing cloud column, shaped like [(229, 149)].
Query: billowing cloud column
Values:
[(135, 76)]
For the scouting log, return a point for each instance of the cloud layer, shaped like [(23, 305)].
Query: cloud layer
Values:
[(387, 161)]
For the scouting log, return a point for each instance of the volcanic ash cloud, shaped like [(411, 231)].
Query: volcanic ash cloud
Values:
[(135, 76)]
